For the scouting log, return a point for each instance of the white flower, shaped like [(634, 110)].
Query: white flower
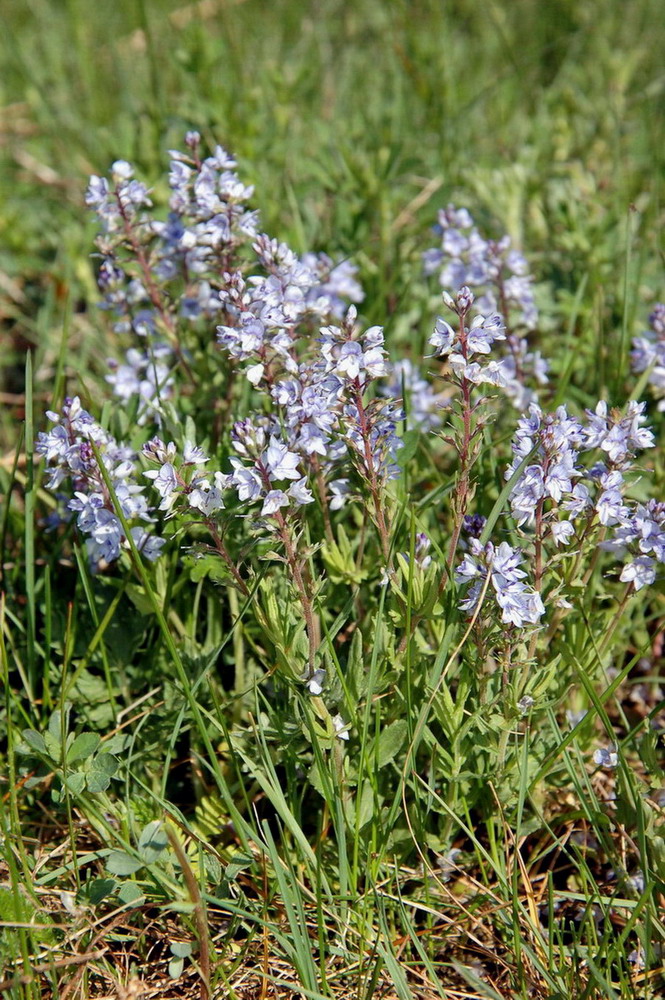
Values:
[(341, 728), (641, 572), (254, 373), (273, 501), (280, 461), (193, 455), (315, 682), (299, 492), (606, 758)]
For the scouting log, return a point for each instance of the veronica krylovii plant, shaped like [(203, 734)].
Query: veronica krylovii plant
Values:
[(296, 363)]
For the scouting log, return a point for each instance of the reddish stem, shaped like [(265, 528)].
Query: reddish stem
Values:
[(372, 476)]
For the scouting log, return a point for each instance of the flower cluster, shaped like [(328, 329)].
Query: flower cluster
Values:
[(204, 294), (117, 201), (270, 464), (282, 318), (68, 450), (556, 482), (640, 533), (554, 440), (145, 376), (162, 280), (179, 477), (465, 348), (266, 311), (500, 279), (316, 388), (519, 603), (648, 353), (498, 272)]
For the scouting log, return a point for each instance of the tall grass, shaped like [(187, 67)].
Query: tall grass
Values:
[(180, 813)]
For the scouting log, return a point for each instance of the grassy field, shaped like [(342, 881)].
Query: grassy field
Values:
[(463, 807)]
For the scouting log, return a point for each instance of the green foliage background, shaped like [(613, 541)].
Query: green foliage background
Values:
[(356, 121)]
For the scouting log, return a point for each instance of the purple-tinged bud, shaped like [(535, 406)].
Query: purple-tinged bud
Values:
[(465, 299), (473, 524)]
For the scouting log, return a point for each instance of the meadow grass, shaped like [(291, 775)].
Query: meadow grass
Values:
[(178, 813)]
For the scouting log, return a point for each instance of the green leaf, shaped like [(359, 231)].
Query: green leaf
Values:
[(97, 782), (117, 744), (237, 864), (314, 778), (208, 565), (213, 868), (93, 692), (365, 808), (176, 965), (53, 747), (153, 841), (34, 740), (121, 863), (130, 892), (356, 673), (391, 741), (75, 782), (339, 560), (181, 949), (83, 747), (55, 726), (105, 763), (140, 599), (408, 448), (99, 889)]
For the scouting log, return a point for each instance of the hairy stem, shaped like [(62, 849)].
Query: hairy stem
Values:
[(372, 476)]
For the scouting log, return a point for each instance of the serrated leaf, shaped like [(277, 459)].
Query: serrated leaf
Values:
[(272, 556), (391, 741), (208, 565), (83, 747), (34, 740), (121, 863), (339, 561), (153, 841)]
